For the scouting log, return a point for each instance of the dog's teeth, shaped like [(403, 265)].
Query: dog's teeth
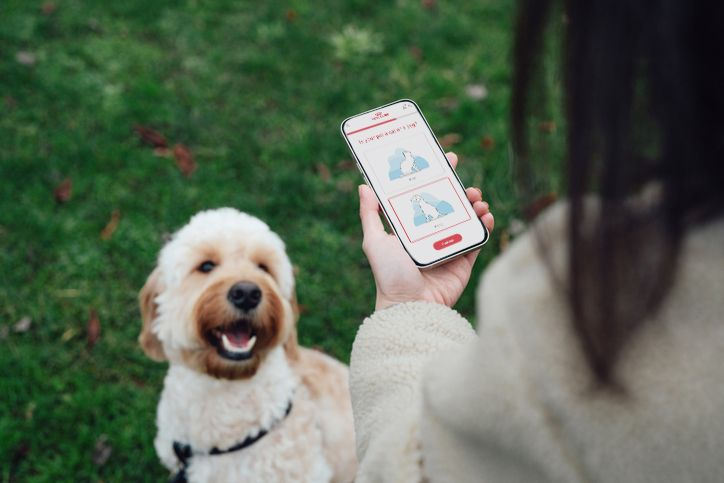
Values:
[(250, 343), (232, 348)]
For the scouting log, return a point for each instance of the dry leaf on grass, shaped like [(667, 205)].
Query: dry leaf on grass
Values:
[(68, 334), (346, 165), (476, 92), (25, 57), (23, 325), (102, 450), (162, 152), (487, 143), (111, 226), (448, 103), (151, 137), (415, 52), (346, 185), (93, 329), (48, 8), (450, 139), (323, 171), (184, 160), (63, 191), (547, 127)]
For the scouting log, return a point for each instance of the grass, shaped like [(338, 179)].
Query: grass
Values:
[(256, 91)]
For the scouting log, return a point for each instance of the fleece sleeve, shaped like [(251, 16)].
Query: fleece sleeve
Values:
[(388, 355)]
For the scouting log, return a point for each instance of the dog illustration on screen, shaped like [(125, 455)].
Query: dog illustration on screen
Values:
[(427, 208), (404, 163)]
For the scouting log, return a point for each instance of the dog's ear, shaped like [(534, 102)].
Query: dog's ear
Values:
[(290, 346), (147, 300)]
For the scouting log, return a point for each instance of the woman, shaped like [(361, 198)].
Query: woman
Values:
[(600, 347)]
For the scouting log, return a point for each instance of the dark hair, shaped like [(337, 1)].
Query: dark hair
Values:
[(644, 108)]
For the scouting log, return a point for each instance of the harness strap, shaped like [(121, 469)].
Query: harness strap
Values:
[(184, 452)]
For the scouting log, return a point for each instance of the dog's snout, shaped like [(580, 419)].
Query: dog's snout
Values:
[(244, 295)]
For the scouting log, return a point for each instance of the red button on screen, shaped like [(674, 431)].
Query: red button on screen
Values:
[(446, 242)]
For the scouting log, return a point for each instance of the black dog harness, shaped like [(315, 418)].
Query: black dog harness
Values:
[(184, 452)]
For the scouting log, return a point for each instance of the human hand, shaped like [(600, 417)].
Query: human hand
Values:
[(396, 276)]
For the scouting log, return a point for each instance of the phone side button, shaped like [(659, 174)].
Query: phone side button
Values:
[(446, 242)]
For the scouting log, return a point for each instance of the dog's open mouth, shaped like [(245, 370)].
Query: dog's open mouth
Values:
[(235, 341)]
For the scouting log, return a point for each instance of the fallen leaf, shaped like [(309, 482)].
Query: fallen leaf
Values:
[(538, 205), (448, 103), (10, 102), (547, 126), (95, 25), (151, 137), (162, 152), (138, 382), (487, 143), (429, 4), (23, 325), (415, 52), (25, 57), (68, 293), (93, 329), (323, 171), (4, 332), (30, 410), (184, 160), (292, 15), (346, 165), (346, 185), (48, 8), (476, 92), (64, 191), (67, 335), (450, 139), (102, 450), (111, 226)]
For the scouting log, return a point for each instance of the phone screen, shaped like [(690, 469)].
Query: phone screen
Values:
[(419, 192)]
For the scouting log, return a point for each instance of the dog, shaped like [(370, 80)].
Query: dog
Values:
[(430, 212), (408, 165), (241, 400)]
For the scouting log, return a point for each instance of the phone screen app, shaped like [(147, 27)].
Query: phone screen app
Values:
[(411, 175)]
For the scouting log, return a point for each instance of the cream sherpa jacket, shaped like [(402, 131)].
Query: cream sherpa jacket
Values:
[(433, 401)]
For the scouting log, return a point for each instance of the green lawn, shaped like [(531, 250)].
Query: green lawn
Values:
[(256, 91)]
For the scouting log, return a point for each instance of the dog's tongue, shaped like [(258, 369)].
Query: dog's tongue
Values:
[(238, 336)]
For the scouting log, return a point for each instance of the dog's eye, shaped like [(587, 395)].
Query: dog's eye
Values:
[(206, 266), (264, 267)]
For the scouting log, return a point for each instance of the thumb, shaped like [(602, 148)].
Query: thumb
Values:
[(369, 212)]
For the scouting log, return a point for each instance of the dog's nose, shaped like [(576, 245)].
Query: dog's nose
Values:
[(244, 295)]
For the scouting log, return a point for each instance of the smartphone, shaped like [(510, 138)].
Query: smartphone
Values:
[(419, 192)]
